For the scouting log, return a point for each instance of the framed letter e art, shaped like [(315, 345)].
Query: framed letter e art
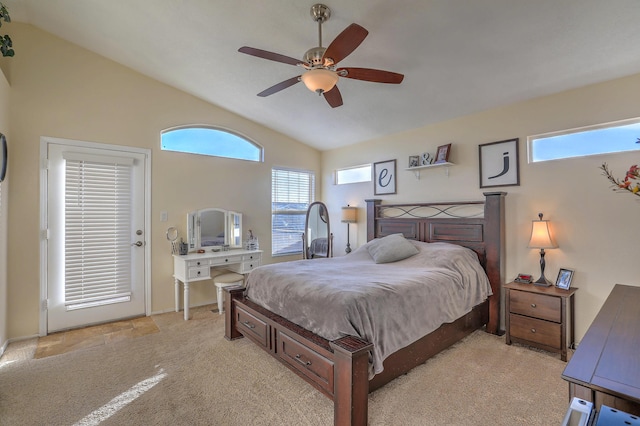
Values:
[(499, 164), (384, 177)]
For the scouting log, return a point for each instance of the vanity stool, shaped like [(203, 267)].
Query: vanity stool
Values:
[(226, 279)]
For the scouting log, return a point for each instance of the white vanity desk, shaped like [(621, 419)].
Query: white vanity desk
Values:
[(197, 267)]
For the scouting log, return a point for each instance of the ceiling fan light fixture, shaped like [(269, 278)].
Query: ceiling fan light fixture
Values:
[(319, 80)]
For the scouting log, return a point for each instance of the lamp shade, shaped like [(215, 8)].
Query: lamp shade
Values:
[(349, 214), (541, 235), (319, 80)]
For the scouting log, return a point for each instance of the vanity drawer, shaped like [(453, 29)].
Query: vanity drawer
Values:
[(248, 266), (199, 273), (535, 305), (252, 327), (198, 263), (306, 361), (251, 257), (226, 260), (535, 330)]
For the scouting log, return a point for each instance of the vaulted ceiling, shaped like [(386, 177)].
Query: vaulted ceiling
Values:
[(458, 56)]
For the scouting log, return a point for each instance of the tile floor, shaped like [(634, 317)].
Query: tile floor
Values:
[(103, 334)]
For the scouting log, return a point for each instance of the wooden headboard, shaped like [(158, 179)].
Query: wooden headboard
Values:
[(478, 225)]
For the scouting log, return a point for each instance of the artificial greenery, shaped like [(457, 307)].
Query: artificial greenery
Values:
[(5, 41)]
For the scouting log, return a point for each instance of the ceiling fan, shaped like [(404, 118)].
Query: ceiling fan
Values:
[(320, 63)]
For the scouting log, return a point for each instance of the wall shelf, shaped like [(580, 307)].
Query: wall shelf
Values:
[(416, 170)]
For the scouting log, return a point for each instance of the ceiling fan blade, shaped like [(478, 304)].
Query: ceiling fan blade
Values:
[(264, 54), (346, 42), (369, 74), (280, 86), (333, 97)]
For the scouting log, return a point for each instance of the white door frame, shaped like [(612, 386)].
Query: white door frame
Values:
[(44, 180)]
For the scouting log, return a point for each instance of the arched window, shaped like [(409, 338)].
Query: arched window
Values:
[(213, 141)]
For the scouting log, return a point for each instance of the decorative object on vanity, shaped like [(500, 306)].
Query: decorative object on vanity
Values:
[(183, 248), (541, 239), (5, 41), (317, 242), (499, 164), (4, 157), (384, 177), (442, 154), (320, 74), (252, 242), (564, 278), (172, 236), (349, 215), (414, 160), (627, 184), (214, 227)]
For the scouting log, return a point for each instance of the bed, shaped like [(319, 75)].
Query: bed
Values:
[(348, 365)]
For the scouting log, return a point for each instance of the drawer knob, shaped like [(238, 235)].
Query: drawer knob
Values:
[(199, 272), (198, 263), (533, 305), (226, 260), (301, 361), (248, 324), (533, 330), (250, 266)]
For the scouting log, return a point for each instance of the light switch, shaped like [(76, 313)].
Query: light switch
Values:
[(164, 216)]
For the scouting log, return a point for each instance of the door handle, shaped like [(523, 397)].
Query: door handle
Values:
[(138, 244)]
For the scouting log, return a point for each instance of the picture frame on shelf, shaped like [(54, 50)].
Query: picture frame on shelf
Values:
[(414, 160), (384, 177), (499, 163), (442, 154), (565, 276)]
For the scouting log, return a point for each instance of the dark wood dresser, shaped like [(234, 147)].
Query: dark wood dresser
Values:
[(605, 368)]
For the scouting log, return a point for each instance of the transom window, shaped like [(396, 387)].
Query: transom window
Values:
[(353, 174), (212, 141), (619, 136)]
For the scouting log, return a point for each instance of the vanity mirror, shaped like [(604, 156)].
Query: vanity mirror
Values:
[(214, 228), (317, 240)]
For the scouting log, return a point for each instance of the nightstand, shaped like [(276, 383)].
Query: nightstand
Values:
[(542, 317)]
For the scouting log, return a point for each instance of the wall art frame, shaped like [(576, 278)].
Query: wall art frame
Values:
[(499, 163), (384, 177), (414, 160)]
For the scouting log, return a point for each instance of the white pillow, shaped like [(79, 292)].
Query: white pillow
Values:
[(391, 248)]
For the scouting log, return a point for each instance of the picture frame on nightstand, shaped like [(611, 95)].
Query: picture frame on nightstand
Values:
[(565, 276)]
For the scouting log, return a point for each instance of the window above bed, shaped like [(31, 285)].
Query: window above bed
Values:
[(210, 140)]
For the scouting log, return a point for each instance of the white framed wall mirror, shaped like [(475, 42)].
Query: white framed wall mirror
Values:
[(213, 228)]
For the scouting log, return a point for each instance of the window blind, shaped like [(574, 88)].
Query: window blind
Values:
[(291, 193), (98, 216)]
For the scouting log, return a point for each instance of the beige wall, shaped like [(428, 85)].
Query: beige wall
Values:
[(595, 228), (61, 90), (4, 190)]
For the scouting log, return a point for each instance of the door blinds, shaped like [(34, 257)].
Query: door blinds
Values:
[(98, 216)]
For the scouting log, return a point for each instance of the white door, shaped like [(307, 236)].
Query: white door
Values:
[(96, 249)]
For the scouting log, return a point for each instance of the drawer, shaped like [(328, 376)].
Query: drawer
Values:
[(535, 305), (535, 330), (248, 266), (306, 361), (217, 261), (251, 257), (199, 273), (252, 327), (198, 263)]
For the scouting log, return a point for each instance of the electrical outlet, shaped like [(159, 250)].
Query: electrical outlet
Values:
[(164, 216)]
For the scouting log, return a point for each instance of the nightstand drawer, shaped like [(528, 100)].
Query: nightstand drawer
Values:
[(535, 305), (536, 330)]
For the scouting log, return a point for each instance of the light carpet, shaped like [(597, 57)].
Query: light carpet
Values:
[(188, 374)]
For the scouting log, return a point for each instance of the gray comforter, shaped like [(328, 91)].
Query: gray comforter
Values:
[(390, 305)]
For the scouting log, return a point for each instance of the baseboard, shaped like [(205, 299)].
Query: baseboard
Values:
[(166, 311), (3, 348)]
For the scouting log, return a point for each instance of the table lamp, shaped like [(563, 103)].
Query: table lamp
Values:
[(349, 216), (541, 239)]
